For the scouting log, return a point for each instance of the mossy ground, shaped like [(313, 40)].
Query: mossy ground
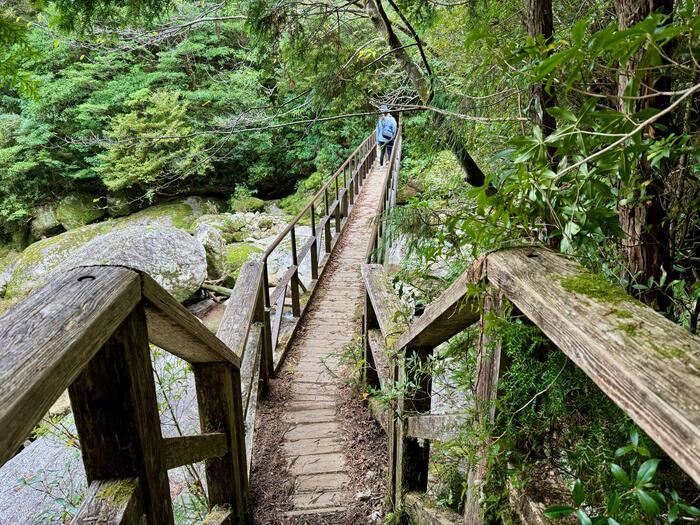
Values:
[(247, 204)]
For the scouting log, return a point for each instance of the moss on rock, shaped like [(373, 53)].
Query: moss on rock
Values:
[(78, 209), (246, 204), (236, 256)]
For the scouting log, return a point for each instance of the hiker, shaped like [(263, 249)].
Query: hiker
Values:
[(386, 131)]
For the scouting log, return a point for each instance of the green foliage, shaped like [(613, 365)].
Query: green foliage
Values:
[(152, 145)]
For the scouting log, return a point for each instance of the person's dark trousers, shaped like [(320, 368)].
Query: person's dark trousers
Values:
[(385, 147)]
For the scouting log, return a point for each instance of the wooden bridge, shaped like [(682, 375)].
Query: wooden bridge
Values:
[(89, 332)]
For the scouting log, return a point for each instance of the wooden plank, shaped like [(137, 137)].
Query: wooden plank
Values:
[(443, 318), (116, 414), (218, 516), (251, 402), (47, 339), (172, 328), (646, 364), (249, 368), (281, 288), (219, 399), (489, 370), (425, 511), (240, 309), (185, 450), (377, 344), (378, 412), (385, 303), (438, 427), (111, 502)]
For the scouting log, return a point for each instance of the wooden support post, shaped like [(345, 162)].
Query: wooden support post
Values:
[(116, 415), (314, 245), (327, 225), (489, 367), (412, 456), (267, 366), (369, 321), (220, 410), (296, 306), (338, 211)]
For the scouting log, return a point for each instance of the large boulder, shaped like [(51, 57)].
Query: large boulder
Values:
[(177, 214), (120, 204), (175, 259), (227, 224), (45, 222), (236, 256), (214, 245), (43, 256), (247, 204), (78, 209)]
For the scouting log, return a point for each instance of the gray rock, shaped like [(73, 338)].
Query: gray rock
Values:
[(78, 209), (120, 204), (176, 260), (45, 222), (215, 247)]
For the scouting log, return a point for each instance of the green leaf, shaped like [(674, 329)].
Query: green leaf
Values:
[(558, 511), (648, 503), (583, 517), (578, 494), (613, 504), (634, 437), (646, 472), (623, 450), (619, 474)]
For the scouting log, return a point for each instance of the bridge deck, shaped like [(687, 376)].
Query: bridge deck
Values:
[(312, 443)]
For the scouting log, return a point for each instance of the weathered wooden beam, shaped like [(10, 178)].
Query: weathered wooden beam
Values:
[(218, 516), (437, 427), (47, 339), (249, 366), (172, 328), (377, 345), (425, 511), (111, 502), (220, 410), (385, 303), (240, 309), (185, 450), (443, 318), (649, 366), (116, 414), (489, 370)]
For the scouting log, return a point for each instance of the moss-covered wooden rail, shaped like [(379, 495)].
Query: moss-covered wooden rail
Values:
[(649, 366)]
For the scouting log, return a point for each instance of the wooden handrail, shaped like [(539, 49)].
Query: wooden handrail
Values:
[(89, 331), (652, 374)]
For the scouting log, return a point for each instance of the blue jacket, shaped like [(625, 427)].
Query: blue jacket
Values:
[(386, 127)]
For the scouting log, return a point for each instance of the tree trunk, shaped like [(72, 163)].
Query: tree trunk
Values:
[(472, 173), (540, 22), (647, 241)]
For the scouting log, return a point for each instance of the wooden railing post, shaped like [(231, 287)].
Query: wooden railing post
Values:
[(412, 456), (489, 370), (338, 211), (116, 415), (220, 410), (327, 225), (314, 245), (296, 307)]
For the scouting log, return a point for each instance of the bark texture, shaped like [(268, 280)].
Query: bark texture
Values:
[(540, 21), (647, 242)]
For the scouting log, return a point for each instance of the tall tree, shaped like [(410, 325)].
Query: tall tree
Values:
[(643, 220), (423, 85)]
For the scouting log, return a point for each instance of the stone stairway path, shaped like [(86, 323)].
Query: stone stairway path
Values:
[(313, 444)]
